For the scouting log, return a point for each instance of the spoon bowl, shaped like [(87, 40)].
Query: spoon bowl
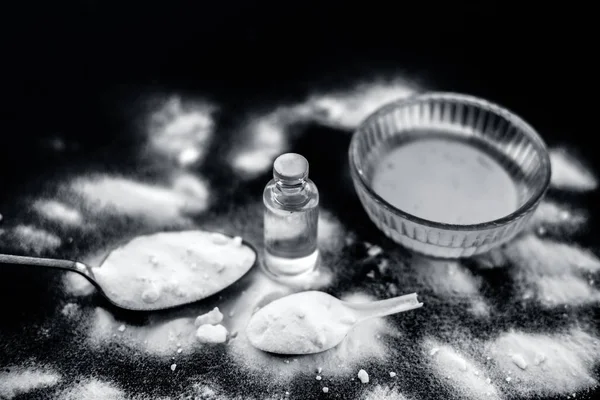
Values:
[(116, 290), (313, 321)]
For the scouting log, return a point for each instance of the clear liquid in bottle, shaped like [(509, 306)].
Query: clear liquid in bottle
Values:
[(291, 217)]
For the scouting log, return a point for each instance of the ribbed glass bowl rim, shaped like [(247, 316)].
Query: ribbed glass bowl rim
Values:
[(525, 128)]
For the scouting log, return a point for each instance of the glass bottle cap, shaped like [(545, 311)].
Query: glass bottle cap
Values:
[(290, 167)]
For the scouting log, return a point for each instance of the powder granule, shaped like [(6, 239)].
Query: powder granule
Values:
[(363, 376), (212, 317), (211, 334), (20, 381)]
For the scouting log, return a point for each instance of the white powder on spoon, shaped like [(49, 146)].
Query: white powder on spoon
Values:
[(303, 323), (172, 268)]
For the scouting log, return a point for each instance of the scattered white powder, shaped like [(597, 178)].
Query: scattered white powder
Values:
[(192, 187), (330, 232), (554, 364), (347, 109), (363, 376), (161, 338), (383, 393), (154, 203), (20, 381), (554, 273), (211, 334), (172, 268), (559, 218), (59, 212), (267, 139), (460, 373), (212, 317), (32, 241), (568, 173), (451, 280), (77, 285), (302, 323), (93, 389), (181, 130)]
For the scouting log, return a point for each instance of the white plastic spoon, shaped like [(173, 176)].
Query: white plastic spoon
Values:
[(312, 322)]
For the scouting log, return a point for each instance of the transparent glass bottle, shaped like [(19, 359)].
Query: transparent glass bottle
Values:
[(291, 217)]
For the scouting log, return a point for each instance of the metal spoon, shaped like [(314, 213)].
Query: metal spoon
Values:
[(88, 273), (312, 322)]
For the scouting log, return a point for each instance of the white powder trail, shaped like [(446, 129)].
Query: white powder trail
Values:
[(347, 109), (181, 130), (31, 240), (569, 174), (20, 381), (558, 218), (267, 140), (154, 203), (93, 389), (554, 273), (451, 280), (160, 338), (380, 392), (330, 232), (458, 372), (545, 365), (59, 212)]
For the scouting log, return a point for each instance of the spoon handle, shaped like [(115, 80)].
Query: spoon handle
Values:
[(67, 265), (382, 308)]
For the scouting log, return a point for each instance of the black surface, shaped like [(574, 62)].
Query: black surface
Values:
[(79, 70)]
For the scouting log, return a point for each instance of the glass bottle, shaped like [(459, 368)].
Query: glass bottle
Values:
[(290, 218)]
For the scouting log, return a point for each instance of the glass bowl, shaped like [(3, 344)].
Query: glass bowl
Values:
[(491, 129)]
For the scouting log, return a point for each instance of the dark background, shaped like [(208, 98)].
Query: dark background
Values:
[(70, 68)]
